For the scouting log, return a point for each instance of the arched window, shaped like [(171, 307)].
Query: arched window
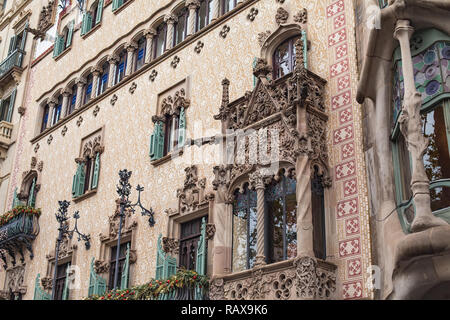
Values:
[(228, 5), (171, 133), (88, 88), (244, 229), (159, 41), (45, 117), (284, 58), (121, 66), (57, 111), (140, 53), (103, 79), (72, 100), (430, 50), (281, 207), (180, 26), (64, 40), (204, 14)]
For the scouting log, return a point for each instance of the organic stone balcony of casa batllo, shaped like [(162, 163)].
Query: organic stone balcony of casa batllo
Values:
[(303, 278), (11, 67)]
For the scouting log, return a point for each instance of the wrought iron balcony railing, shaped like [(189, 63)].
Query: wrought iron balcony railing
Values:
[(16, 234), (13, 60), (185, 292)]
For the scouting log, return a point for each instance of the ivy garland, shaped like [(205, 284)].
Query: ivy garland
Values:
[(17, 211), (154, 288)]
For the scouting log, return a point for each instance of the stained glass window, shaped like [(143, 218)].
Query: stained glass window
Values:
[(244, 230)]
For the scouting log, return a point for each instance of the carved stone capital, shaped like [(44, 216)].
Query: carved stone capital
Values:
[(113, 59), (193, 4), (81, 81), (150, 33), (96, 71), (131, 46), (170, 18)]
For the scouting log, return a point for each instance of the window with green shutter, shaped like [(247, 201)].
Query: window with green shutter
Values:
[(117, 4), (12, 101), (96, 172), (97, 284), (168, 135), (66, 290), (39, 293), (70, 34), (166, 265), (125, 270), (98, 12)]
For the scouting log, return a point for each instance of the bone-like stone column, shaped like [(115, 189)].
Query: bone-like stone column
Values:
[(256, 180), (411, 128), (131, 48), (170, 19), (192, 5), (81, 82), (113, 61), (304, 209), (149, 36)]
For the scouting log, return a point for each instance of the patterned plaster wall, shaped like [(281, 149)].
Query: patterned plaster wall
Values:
[(127, 128)]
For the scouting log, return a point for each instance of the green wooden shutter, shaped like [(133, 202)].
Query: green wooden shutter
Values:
[(125, 270), (99, 12), (74, 185), (16, 201), (56, 48), (83, 24), (201, 250), (255, 61), (305, 48), (89, 22), (97, 285), (61, 44), (166, 265), (66, 290), (32, 195), (182, 129), (81, 181), (11, 105), (70, 33), (24, 37), (96, 173), (12, 44), (39, 293), (157, 142), (115, 5)]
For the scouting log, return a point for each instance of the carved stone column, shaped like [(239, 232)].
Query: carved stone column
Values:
[(215, 9), (51, 110), (131, 48), (170, 19), (149, 35), (113, 61), (221, 217), (192, 5), (304, 210), (411, 128), (256, 180), (96, 71), (65, 102), (81, 82)]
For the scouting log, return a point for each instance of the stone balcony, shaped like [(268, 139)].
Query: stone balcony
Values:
[(6, 129), (11, 67), (303, 278)]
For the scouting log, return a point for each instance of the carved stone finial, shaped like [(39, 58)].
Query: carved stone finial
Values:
[(261, 68), (282, 16)]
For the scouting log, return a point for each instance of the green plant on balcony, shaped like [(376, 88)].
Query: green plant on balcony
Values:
[(171, 288), (17, 211)]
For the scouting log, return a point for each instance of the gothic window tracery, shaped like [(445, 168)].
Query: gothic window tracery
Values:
[(284, 58)]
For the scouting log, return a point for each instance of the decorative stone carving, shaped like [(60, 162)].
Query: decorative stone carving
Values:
[(192, 195), (172, 104), (40, 166), (210, 231), (14, 281), (216, 289), (33, 162), (46, 283), (312, 283), (262, 37), (36, 147), (224, 32), (175, 62), (79, 121), (133, 87), (128, 223), (96, 111), (101, 267), (153, 75), (170, 245), (252, 14), (93, 146), (46, 16), (64, 131), (50, 139), (198, 48), (301, 16), (282, 16), (114, 99)]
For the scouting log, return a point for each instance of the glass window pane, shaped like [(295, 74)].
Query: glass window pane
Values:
[(291, 226)]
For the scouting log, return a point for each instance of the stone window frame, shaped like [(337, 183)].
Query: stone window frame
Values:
[(194, 202), (169, 104), (90, 146), (14, 283)]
